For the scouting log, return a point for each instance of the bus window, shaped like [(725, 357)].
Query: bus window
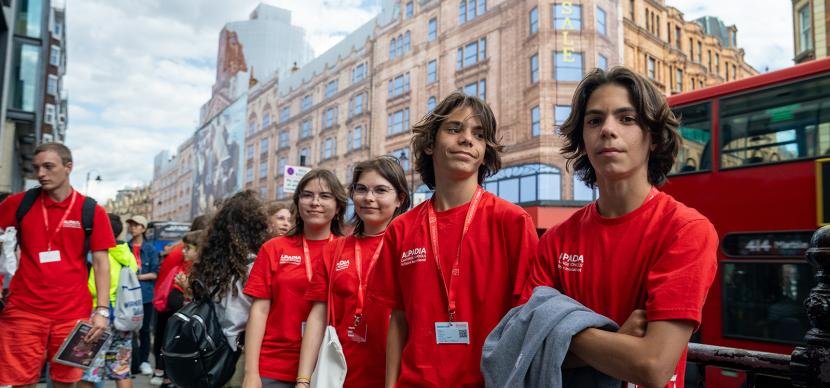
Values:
[(695, 128), (775, 125), (765, 301)]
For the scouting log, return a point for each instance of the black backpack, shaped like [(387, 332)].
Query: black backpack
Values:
[(87, 214), (195, 351)]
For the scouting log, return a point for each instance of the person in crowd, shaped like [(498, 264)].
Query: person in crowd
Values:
[(49, 292), (174, 259), (148, 263), (453, 266), (114, 362), (380, 193), (279, 218), (280, 276), (235, 235), (634, 247)]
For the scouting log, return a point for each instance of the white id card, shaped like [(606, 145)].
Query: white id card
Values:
[(50, 256), (358, 334), (452, 333)]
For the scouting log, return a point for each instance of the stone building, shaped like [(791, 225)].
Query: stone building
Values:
[(810, 19), (680, 55)]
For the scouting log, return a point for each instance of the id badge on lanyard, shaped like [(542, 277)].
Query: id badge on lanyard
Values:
[(50, 255), (451, 332), (359, 329)]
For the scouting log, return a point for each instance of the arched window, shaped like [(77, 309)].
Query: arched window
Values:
[(526, 183), (399, 47), (406, 42), (392, 49)]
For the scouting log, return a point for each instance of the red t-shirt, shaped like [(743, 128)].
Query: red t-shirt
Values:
[(279, 274), (366, 360), (661, 257), (137, 254), (495, 258), (54, 289), (173, 259)]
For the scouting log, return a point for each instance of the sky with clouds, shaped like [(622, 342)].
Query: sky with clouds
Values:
[(138, 71)]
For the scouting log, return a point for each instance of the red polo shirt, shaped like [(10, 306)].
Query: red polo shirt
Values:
[(495, 257), (57, 289), (279, 275)]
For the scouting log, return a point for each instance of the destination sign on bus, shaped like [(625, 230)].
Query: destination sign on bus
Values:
[(767, 244)]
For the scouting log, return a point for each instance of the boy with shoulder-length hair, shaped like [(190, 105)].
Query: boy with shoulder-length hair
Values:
[(635, 247), (454, 265)]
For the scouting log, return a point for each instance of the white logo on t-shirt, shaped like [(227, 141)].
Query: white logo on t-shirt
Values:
[(570, 262), (412, 256), (72, 224), (341, 265), (288, 259)]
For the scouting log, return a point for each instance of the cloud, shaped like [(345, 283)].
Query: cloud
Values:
[(138, 72), (765, 27)]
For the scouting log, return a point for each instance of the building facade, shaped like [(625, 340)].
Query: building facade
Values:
[(130, 202), (810, 20), (679, 55), (360, 98), (34, 105)]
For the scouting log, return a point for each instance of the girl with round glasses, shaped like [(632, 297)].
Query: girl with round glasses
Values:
[(379, 192), (278, 281)]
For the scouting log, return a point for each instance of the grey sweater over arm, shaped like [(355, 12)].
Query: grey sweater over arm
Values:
[(530, 343)]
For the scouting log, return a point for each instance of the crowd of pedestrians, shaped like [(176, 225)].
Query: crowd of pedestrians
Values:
[(440, 295)]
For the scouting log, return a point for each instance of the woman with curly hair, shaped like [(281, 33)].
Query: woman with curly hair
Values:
[(380, 194), (234, 235), (279, 279)]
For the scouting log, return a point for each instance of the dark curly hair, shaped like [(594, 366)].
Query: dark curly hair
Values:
[(425, 132), (653, 115), (236, 231), (339, 196)]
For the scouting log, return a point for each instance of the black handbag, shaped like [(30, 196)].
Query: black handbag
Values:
[(195, 351)]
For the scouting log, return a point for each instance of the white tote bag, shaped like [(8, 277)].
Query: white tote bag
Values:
[(331, 362)]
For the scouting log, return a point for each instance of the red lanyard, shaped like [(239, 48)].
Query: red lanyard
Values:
[(361, 284), (60, 224), (433, 235), (307, 257)]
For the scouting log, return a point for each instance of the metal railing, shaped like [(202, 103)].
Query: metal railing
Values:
[(809, 364)]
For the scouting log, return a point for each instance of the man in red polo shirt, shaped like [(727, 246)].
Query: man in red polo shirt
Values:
[(49, 292), (453, 266)]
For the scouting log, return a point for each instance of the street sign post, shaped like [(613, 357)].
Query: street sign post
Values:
[(292, 176)]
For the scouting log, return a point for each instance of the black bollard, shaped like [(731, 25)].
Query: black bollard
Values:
[(810, 364)]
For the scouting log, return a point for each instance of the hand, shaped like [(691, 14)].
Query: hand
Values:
[(182, 280), (251, 380), (99, 325), (635, 325)]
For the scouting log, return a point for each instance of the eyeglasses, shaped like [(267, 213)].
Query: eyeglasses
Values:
[(308, 196), (360, 190)]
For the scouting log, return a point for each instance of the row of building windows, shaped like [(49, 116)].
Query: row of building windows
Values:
[(560, 114), (359, 73), (399, 85), (400, 45)]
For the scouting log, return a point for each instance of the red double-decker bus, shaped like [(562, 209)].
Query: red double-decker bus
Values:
[(751, 160)]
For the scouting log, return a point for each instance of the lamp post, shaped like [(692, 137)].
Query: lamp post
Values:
[(97, 179), (404, 158)]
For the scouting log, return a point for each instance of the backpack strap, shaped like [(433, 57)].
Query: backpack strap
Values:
[(88, 220), (25, 205), (338, 251)]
